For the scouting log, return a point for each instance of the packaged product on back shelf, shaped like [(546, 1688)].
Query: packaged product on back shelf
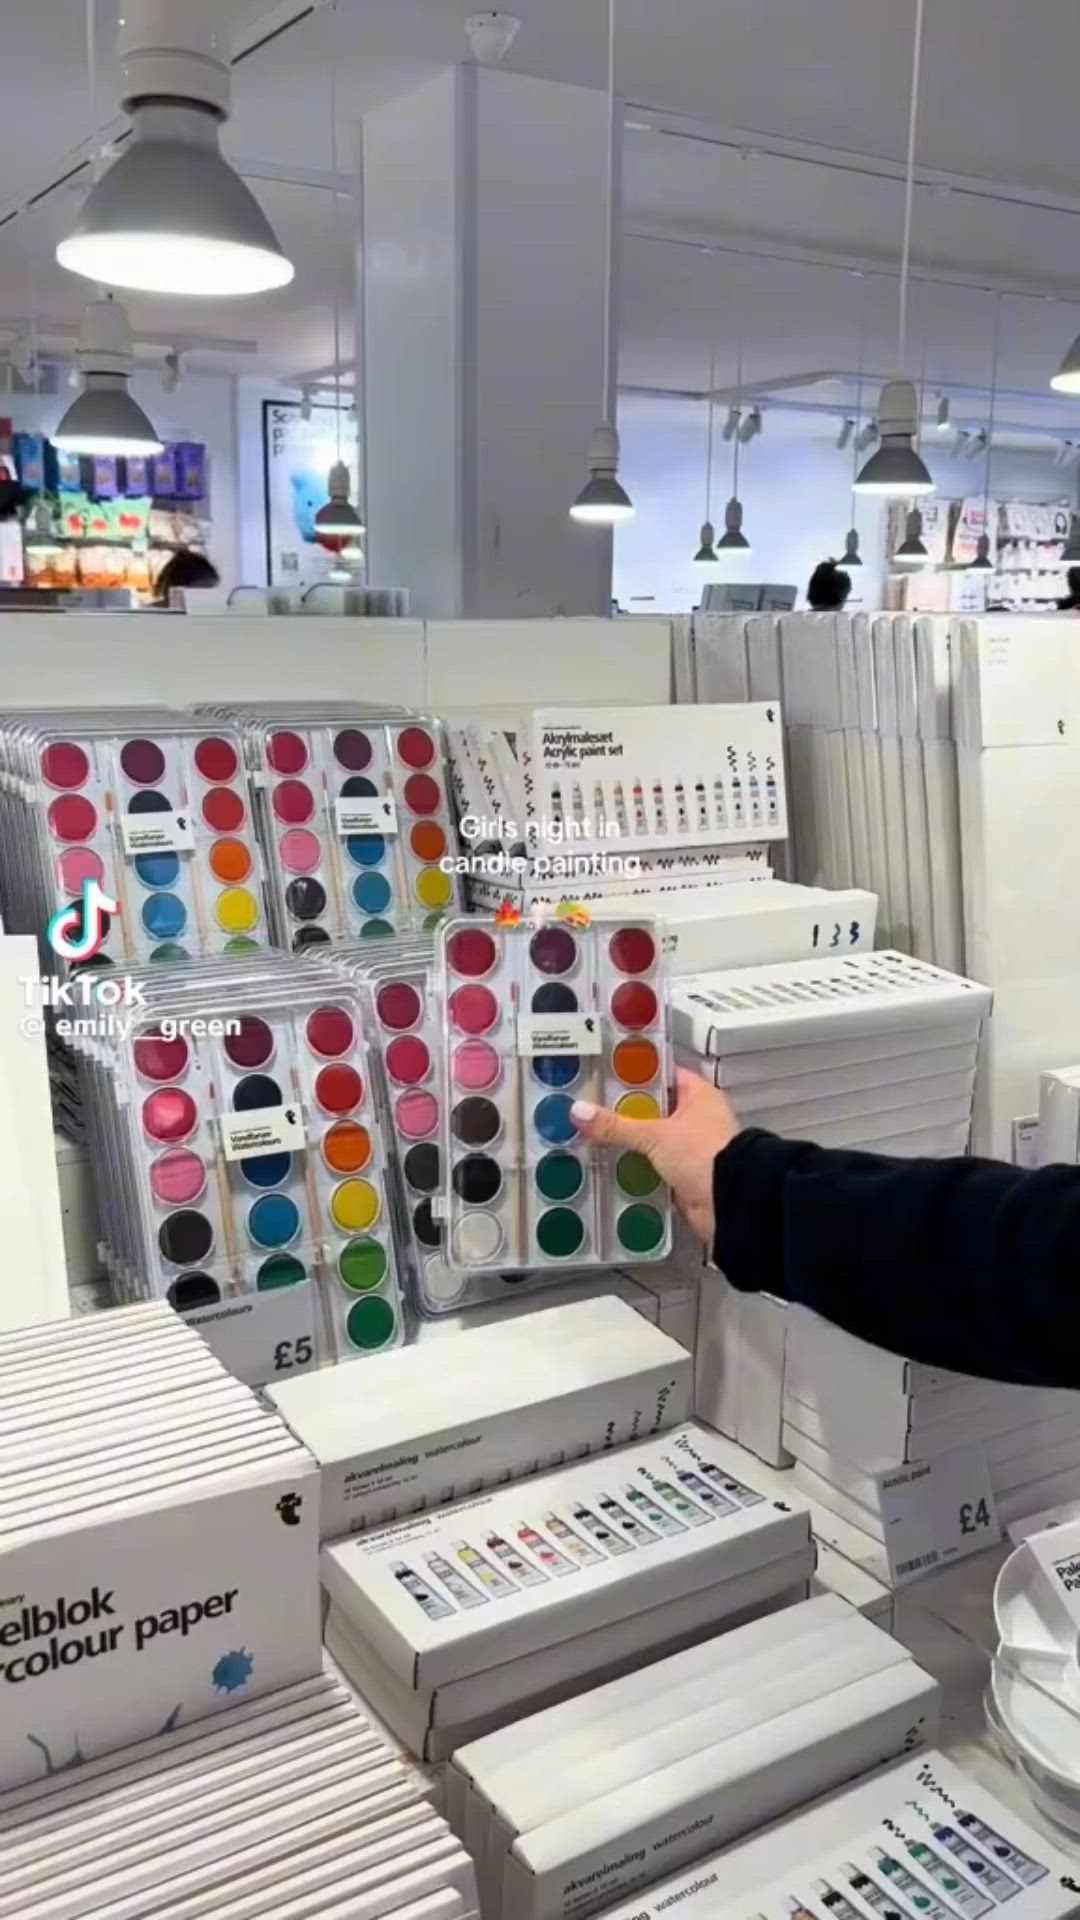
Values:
[(462, 1617), (574, 1806), (869, 1049), (919, 1836), (293, 1804), (159, 1542)]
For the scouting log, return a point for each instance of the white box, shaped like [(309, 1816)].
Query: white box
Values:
[(436, 1722), (577, 1863), (751, 923), (218, 1587), (876, 1446), (663, 1714), (919, 1795), (359, 1574), (516, 1397)]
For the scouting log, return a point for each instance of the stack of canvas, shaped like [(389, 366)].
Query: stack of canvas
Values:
[(1017, 702), (471, 1615), (853, 1412), (292, 1805), (584, 1802), (918, 1837), (868, 1050)]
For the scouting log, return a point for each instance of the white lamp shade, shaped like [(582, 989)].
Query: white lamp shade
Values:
[(1067, 377), (338, 518), (733, 540), (105, 419), (912, 553), (896, 470), (706, 553), (603, 502), (171, 216)]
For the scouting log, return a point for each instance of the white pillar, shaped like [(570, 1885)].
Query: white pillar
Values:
[(483, 221)]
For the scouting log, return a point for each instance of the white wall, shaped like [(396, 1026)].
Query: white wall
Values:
[(201, 409), (795, 488)]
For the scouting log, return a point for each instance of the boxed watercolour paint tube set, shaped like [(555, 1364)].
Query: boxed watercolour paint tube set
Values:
[(291, 1805), (463, 1617), (158, 1540), (920, 1837), (588, 1800)]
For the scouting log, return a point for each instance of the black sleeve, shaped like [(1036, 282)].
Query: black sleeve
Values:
[(964, 1264)]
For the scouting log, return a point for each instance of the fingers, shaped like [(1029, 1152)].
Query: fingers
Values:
[(688, 1088), (606, 1129)]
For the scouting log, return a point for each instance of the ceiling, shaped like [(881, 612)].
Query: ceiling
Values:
[(815, 91)]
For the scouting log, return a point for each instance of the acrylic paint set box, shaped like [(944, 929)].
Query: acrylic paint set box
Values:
[(239, 1163), (355, 816), (920, 1836), (564, 1813), (150, 805), (534, 1017), (158, 1540), (290, 1805), (499, 1602), (440, 1421)]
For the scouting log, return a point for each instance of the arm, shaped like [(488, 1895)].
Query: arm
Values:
[(961, 1263)]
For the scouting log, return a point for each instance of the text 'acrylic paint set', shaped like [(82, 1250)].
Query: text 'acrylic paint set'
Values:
[(354, 814), (235, 1125), (532, 1018), (152, 808)]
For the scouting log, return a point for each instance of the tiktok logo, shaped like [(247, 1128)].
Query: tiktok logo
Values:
[(76, 932)]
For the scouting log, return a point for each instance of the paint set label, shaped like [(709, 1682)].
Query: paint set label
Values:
[(523, 1191)]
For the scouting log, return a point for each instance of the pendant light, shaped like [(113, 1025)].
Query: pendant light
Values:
[(706, 553), (105, 418), (337, 519), (1067, 377), (171, 215), (982, 562), (852, 556), (896, 469), (733, 540), (603, 502)]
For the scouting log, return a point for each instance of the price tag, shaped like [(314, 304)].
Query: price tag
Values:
[(375, 814), (156, 833), (1025, 1142), (261, 1337), (549, 1033), (937, 1511), (250, 1136)]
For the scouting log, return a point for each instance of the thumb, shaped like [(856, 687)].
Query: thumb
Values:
[(607, 1129)]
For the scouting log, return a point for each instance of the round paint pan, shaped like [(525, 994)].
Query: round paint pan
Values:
[(299, 851), (310, 937), (552, 1122), (560, 1233), (635, 1062), (427, 1229), (365, 849), (273, 1222), (178, 1179), (193, 1290), (223, 810), (370, 1325), (353, 750), (143, 762), (159, 1059), (416, 1114), (170, 1116), (256, 1091), (634, 1005), (355, 1206), (422, 794), (638, 1106), (281, 1270), (64, 766), (362, 1265), (398, 1006), (78, 865), (471, 952), (338, 1090), (164, 916), (73, 818), (475, 1066), (305, 899), (476, 1121), (329, 1033), (408, 1060), (422, 1167), (230, 861), (287, 753), (185, 1238), (157, 869), (632, 950), (560, 1176), (371, 892), (477, 1180), (265, 1171), (236, 910), (216, 759), (252, 1045), (433, 888), (556, 1069), (477, 1239), (473, 1010), (640, 1229), (554, 997), (636, 1176), (347, 1147), (415, 748), (293, 803), (553, 950)]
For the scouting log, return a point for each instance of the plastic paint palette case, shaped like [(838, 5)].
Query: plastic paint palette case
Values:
[(289, 1080), (535, 1017), (355, 819), (154, 809)]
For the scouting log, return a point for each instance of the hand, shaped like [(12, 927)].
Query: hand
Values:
[(682, 1149)]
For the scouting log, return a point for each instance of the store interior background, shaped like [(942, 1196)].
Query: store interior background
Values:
[(754, 191)]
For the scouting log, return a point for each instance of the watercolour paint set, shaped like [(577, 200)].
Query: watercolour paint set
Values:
[(532, 1018), (448, 1418), (917, 1837), (292, 1805), (150, 805), (235, 1126), (461, 1617), (158, 1541), (686, 1755), (355, 817)]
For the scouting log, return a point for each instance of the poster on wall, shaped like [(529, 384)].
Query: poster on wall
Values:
[(297, 457)]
